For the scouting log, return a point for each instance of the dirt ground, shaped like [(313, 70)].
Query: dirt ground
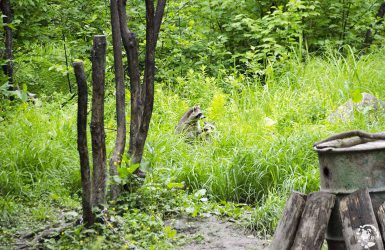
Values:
[(213, 233)]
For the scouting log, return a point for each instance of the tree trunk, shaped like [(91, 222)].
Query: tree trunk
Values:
[(142, 96), (153, 23), (5, 6), (88, 216), (120, 142), (131, 46), (97, 121), (369, 36)]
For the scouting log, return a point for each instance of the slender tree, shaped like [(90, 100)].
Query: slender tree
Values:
[(120, 142), (142, 102), (5, 6), (142, 95)]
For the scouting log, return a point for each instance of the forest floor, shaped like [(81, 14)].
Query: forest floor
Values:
[(195, 233), (213, 233)]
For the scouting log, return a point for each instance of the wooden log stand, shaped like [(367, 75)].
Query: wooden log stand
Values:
[(305, 219)]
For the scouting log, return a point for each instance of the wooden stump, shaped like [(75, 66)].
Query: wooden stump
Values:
[(314, 221), (359, 225), (287, 226), (381, 218)]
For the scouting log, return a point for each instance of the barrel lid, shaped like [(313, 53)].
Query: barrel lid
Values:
[(353, 144)]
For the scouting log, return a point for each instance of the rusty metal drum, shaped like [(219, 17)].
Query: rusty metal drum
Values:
[(347, 165)]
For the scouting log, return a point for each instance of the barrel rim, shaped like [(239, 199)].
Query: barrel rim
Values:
[(378, 145)]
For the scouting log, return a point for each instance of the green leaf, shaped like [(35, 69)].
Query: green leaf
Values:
[(200, 193), (20, 94), (10, 25), (4, 87), (356, 96), (190, 210), (169, 232), (133, 167), (117, 179), (172, 185), (124, 172)]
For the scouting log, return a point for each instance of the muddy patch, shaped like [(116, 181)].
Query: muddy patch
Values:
[(213, 233)]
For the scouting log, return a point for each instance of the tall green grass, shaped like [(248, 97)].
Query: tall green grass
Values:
[(261, 150), (250, 159), (38, 154)]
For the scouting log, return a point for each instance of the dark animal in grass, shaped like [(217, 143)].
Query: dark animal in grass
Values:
[(207, 131), (189, 123)]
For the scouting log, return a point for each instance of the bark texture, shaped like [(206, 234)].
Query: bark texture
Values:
[(358, 218), (142, 95), (120, 142), (315, 218), (5, 6), (88, 216), (131, 46), (97, 121), (381, 219)]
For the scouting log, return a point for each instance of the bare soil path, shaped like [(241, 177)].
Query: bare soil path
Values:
[(213, 233)]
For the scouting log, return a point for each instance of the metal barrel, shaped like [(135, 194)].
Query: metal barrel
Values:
[(344, 170)]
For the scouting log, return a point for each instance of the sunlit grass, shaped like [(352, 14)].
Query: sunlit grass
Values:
[(260, 152)]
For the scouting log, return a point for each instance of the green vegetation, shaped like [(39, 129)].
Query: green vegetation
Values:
[(268, 93)]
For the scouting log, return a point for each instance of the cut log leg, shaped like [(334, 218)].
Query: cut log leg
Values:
[(314, 220), (381, 219), (287, 226), (359, 225)]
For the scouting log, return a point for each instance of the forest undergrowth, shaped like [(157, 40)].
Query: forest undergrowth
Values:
[(260, 151)]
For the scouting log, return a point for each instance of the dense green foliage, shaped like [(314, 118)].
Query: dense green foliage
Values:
[(268, 73), (248, 37)]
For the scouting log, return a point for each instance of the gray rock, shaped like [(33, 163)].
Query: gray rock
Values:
[(345, 112)]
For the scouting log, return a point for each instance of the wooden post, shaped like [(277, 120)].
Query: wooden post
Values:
[(381, 219), (359, 225), (97, 121), (287, 226), (312, 227), (88, 216)]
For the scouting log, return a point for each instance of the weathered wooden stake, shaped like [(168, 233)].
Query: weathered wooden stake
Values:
[(381, 219), (88, 216), (359, 225), (314, 221), (287, 226), (97, 121)]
